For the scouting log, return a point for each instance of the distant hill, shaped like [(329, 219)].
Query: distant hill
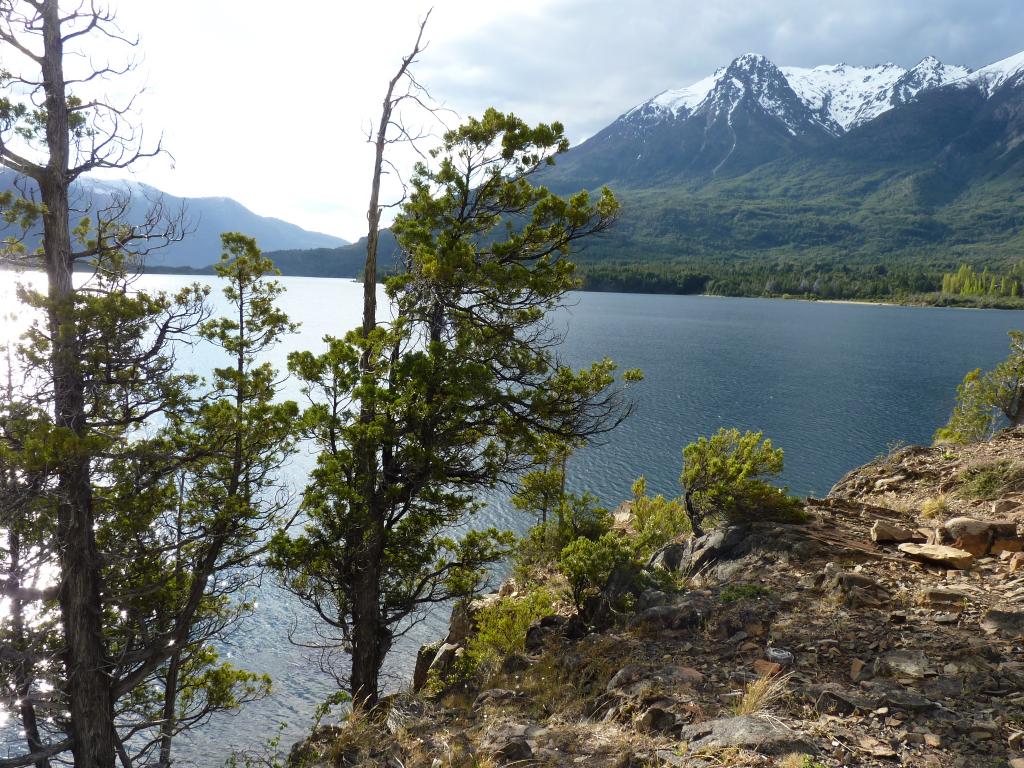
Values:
[(207, 218)]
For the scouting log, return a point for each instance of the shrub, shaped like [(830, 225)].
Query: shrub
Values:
[(985, 399), (588, 566), (990, 481), (573, 517), (501, 627), (723, 476), (657, 520)]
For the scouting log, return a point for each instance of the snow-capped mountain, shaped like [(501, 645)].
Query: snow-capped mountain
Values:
[(989, 79), (752, 112), (834, 97)]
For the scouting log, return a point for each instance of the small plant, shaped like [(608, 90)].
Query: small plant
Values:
[(761, 694), (797, 760), (935, 508), (990, 481), (733, 592)]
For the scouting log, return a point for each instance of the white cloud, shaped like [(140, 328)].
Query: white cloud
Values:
[(269, 102)]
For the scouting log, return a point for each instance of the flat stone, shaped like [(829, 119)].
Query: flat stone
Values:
[(938, 597), (904, 662), (1005, 506), (766, 668), (1015, 544), (768, 737), (950, 557), (883, 532), (1006, 623)]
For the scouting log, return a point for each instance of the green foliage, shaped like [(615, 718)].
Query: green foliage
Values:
[(460, 390), (985, 399), (574, 517), (967, 282), (722, 477), (657, 520), (501, 627), (588, 565), (990, 481), (733, 592)]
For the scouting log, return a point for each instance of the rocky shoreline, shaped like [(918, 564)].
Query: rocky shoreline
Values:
[(887, 629)]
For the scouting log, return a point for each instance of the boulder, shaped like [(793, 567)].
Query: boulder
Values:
[(1007, 506), (977, 536), (768, 737), (509, 743), (883, 532), (950, 557)]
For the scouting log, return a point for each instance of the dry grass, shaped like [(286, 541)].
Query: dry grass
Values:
[(935, 508), (762, 694)]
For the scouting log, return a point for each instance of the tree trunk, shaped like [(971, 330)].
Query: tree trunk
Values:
[(693, 515), (85, 657), (170, 702)]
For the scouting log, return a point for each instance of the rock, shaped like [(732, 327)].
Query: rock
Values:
[(1006, 623), (424, 658), (856, 669), (897, 696), (446, 654), (1007, 545), (509, 742), (766, 668), (780, 656), (1017, 563), (699, 554), (1006, 506), (1017, 762), (690, 612), (768, 737), (910, 663), (978, 536), (937, 597), (657, 719), (833, 701), (626, 676), (950, 557), (623, 518), (650, 598), (883, 532)]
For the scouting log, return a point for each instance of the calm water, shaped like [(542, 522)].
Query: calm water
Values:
[(832, 384)]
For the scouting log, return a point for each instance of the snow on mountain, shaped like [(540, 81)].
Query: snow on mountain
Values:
[(989, 78), (836, 97)]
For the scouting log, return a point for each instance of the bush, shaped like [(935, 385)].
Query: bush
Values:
[(657, 520), (574, 517), (723, 476), (589, 565), (501, 627)]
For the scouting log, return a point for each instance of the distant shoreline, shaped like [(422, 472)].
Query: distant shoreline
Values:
[(923, 300)]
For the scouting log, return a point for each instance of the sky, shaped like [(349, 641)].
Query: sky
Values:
[(270, 103)]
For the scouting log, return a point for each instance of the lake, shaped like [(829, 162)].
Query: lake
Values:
[(834, 385)]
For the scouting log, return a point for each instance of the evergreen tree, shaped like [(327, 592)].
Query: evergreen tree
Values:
[(416, 417)]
